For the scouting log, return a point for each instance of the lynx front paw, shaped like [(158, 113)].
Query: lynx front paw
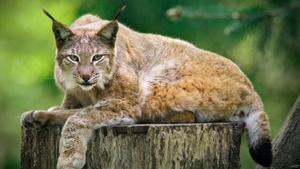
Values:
[(75, 161), (34, 119)]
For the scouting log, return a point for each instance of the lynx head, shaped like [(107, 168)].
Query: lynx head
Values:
[(85, 55)]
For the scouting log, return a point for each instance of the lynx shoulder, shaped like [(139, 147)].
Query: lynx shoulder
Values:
[(112, 75)]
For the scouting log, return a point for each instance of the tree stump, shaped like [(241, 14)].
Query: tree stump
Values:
[(149, 146)]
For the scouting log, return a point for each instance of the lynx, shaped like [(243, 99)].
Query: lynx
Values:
[(112, 75)]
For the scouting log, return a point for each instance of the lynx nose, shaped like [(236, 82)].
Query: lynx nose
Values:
[(85, 72), (86, 77)]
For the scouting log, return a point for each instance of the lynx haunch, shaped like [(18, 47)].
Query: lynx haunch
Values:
[(112, 75)]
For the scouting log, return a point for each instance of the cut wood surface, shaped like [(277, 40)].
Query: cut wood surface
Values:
[(149, 146)]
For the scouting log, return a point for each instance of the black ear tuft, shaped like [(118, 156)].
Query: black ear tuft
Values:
[(47, 13), (262, 153), (119, 13)]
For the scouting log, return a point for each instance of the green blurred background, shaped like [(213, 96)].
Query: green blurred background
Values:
[(266, 48)]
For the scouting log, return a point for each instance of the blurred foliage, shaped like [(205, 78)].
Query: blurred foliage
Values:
[(266, 49)]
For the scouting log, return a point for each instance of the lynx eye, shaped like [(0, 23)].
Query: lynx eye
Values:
[(73, 58), (98, 58)]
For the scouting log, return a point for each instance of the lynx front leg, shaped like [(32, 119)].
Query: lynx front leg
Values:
[(36, 119), (78, 130)]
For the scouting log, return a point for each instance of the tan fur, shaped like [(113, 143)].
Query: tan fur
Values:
[(143, 78)]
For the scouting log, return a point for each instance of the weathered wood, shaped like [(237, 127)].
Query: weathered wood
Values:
[(286, 144), (180, 146)]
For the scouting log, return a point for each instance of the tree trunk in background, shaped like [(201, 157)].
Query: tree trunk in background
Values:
[(186, 146), (286, 144)]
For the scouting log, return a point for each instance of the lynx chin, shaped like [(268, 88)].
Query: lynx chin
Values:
[(113, 75)]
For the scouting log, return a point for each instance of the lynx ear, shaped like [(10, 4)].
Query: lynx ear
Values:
[(109, 32), (61, 32)]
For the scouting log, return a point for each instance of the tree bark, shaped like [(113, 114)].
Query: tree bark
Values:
[(180, 146), (286, 144)]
